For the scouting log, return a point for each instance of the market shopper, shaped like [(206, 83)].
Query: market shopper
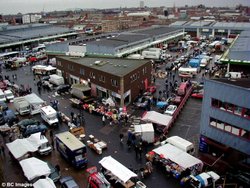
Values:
[(121, 137), (103, 120)]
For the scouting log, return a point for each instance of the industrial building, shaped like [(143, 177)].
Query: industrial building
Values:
[(238, 55), (222, 29), (15, 38), (119, 44), (225, 120), (122, 79)]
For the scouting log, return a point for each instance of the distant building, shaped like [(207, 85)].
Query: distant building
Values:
[(26, 19), (225, 120), (141, 4)]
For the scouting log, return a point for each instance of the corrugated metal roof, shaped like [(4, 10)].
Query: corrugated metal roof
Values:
[(241, 48), (24, 33)]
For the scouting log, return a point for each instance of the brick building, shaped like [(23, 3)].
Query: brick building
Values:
[(120, 78)]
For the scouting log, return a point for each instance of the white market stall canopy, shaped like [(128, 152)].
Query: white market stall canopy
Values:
[(20, 147), (178, 156), (158, 118), (146, 131), (42, 183), (33, 168), (117, 169)]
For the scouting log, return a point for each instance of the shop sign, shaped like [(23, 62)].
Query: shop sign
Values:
[(115, 95), (101, 88)]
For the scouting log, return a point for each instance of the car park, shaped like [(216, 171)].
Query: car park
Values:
[(68, 182), (170, 110), (63, 88)]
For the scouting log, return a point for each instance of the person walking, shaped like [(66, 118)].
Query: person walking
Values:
[(72, 115), (103, 120), (121, 137), (136, 151), (140, 152)]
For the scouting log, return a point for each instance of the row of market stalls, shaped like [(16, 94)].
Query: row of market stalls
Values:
[(175, 161)]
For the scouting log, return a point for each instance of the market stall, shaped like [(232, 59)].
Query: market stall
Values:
[(34, 168), (146, 132), (118, 172), (41, 183), (175, 161)]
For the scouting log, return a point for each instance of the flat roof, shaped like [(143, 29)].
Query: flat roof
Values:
[(241, 48), (70, 140), (155, 30), (211, 25), (125, 38), (240, 82), (13, 34), (114, 66), (120, 39)]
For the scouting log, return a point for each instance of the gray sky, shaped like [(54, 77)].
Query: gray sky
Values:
[(25, 6)]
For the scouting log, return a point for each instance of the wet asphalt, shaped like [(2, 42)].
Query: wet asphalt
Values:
[(186, 126)]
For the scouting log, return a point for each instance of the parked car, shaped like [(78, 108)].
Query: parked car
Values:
[(25, 122), (8, 95), (68, 182), (55, 172), (170, 110), (198, 95), (3, 106), (9, 117), (31, 129), (63, 88)]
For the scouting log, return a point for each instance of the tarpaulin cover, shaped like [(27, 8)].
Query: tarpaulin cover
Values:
[(33, 168), (42, 183), (158, 118)]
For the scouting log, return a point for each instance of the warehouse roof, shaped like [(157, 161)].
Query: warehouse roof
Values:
[(126, 38), (120, 39), (211, 24), (241, 82), (155, 31), (25, 32), (241, 48), (114, 66)]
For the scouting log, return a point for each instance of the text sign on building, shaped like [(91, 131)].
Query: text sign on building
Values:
[(221, 30), (101, 88), (205, 30), (127, 93)]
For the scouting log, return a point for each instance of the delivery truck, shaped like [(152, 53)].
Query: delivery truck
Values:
[(49, 115), (70, 148), (21, 105)]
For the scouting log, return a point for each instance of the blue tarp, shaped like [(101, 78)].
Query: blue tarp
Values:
[(194, 63)]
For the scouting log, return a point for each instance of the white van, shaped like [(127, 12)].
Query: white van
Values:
[(8, 95), (233, 75), (2, 96), (49, 115), (180, 143)]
